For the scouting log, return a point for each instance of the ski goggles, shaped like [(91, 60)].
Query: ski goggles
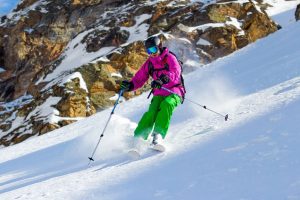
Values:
[(152, 50)]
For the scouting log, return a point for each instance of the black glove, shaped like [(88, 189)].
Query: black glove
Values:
[(126, 86), (156, 84), (164, 78)]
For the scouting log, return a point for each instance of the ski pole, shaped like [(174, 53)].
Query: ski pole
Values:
[(150, 94), (205, 107), (102, 134)]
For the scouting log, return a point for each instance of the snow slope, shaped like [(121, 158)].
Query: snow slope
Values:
[(252, 156)]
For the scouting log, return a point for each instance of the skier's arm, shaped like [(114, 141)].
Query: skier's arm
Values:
[(174, 71), (141, 76)]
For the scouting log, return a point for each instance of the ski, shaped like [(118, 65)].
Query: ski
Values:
[(134, 154), (158, 147)]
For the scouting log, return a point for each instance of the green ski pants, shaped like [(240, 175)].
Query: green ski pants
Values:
[(158, 116)]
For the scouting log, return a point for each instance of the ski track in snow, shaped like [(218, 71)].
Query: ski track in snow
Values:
[(258, 86)]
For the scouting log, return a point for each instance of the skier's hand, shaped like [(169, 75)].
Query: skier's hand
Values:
[(126, 86), (156, 84), (164, 78)]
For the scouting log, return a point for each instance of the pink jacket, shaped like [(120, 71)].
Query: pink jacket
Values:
[(159, 62)]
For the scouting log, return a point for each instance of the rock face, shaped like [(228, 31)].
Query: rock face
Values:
[(297, 13), (64, 61)]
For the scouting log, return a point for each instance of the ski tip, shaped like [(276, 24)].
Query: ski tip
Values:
[(159, 147), (133, 154)]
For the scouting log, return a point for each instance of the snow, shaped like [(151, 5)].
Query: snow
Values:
[(286, 18), (78, 75), (28, 30), (47, 111), (283, 14), (182, 39), (252, 156), (74, 50), (10, 106), (201, 27), (15, 123), (77, 49), (115, 97), (118, 75), (101, 59), (2, 69), (281, 6), (140, 30), (234, 22), (203, 42)]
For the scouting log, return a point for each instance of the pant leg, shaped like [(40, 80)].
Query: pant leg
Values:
[(146, 123), (163, 118)]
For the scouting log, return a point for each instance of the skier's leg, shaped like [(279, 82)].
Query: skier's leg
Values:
[(146, 123), (164, 114)]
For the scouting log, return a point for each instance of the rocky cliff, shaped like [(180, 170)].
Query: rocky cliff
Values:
[(297, 13), (60, 62)]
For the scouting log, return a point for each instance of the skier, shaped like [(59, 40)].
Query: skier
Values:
[(165, 70)]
